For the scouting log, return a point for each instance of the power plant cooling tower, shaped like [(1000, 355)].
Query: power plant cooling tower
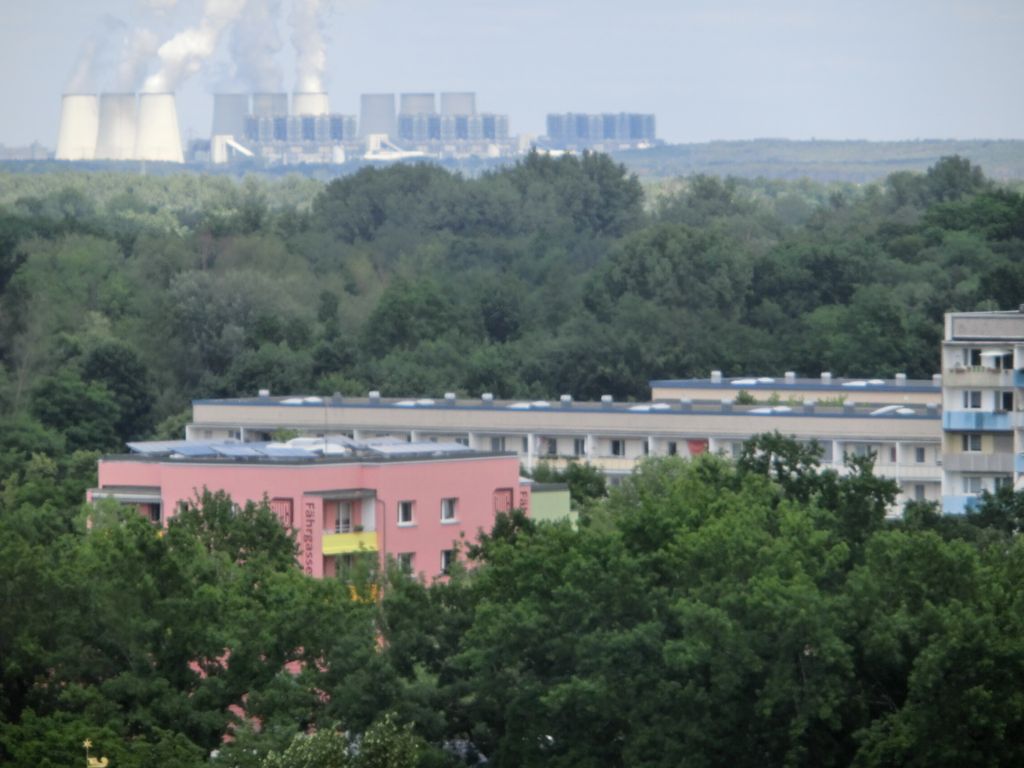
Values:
[(230, 111), (158, 137), (417, 104), (269, 104), (79, 123), (458, 103), (310, 104), (377, 114), (115, 137)]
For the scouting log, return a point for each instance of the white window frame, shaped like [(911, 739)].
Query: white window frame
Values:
[(920, 455), (448, 557), (972, 399), (405, 561), (972, 485), (449, 510), (618, 447), (971, 442), (579, 446), (406, 512)]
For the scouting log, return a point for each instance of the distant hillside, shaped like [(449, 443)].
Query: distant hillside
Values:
[(854, 161)]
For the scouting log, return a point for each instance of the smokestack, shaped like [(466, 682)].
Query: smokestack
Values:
[(158, 137), (458, 103), (417, 104), (269, 104), (229, 113), (310, 104), (115, 138), (377, 114), (79, 124)]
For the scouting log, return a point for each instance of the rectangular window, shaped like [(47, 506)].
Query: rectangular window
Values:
[(448, 509), (498, 444), (919, 492), (462, 441), (892, 454), (343, 522), (1006, 401), (1003, 481), (972, 357), (972, 485), (972, 398), (919, 455), (405, 513), (673, 449), (971, 442), (526, 445), (447, 559), (618, 447), (552, 446), (579, 446), (647, 448), (405, 561), (154, 513)]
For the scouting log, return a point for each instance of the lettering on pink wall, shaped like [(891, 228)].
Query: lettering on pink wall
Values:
[(307, 537)]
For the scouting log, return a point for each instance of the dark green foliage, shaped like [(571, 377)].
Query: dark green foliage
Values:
[(706, 613)]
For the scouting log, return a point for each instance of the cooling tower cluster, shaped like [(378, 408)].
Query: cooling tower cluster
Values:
[(119, 126)]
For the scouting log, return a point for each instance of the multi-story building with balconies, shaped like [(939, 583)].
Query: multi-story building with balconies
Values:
[(413, 502), (983, 377), (897, 420)]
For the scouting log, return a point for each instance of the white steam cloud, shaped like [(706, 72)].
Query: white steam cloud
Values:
[(308, 40), (137, 48), (83, 78), (254, 45), (183, 55)]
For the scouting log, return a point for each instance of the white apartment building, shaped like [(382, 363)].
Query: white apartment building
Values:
[(983, 420), (898, 420)]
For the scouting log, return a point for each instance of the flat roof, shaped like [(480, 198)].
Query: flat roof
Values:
[(237, 452), (844, 385), (647, 408)]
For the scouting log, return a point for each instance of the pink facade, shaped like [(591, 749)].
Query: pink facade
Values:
[(414, 510)]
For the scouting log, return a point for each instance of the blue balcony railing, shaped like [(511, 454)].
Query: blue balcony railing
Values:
[(958, 505), (976, 421)]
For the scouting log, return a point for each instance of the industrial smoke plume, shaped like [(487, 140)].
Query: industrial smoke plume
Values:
[(308, 40), (254, 45), (183, 55)]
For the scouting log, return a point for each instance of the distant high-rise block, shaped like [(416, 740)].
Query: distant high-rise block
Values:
[(573, 129), (463, 103), (377, 114)]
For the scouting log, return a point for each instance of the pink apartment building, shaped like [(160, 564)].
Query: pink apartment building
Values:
[(413, 502)]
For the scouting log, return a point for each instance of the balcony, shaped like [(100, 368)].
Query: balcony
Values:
[(346, 543), (980, 377), (958, 505), (603, 463), (977, 421), (971, 461)]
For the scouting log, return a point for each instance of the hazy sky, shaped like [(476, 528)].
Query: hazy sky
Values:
[(725, 69)]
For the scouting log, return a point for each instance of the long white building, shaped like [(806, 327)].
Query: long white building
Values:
[(897, 420)]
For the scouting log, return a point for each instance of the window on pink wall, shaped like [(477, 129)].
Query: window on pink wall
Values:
[(405, 561), (448, 510), (447, 559), (405, 513)]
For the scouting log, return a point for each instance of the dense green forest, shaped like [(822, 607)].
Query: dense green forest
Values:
[(706, 613)]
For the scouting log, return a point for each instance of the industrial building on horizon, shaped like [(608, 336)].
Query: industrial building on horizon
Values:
[(274, 128)]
